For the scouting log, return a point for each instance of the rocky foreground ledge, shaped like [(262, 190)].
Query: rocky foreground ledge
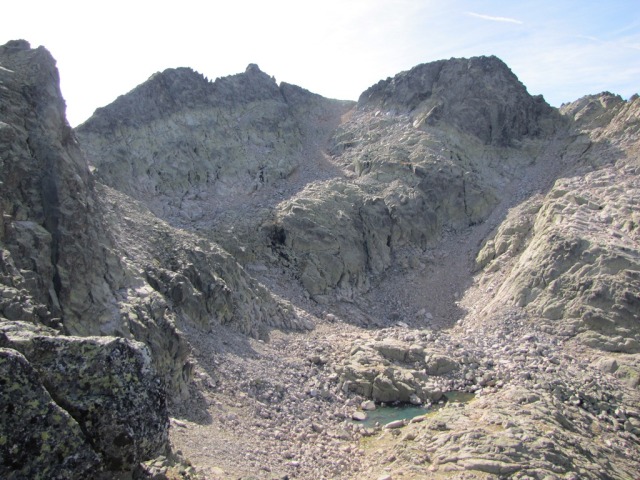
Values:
[(80, 397), (89, 400)]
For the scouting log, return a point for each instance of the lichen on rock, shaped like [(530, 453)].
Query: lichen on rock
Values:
[(38, 438), (107, 385)]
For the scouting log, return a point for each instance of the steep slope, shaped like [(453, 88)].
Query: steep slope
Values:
[(63, 397), (407, 179), (573, 257), (56, 233), (210, 155), (68, 263)]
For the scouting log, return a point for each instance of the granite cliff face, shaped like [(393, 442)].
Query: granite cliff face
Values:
[(50, 213), (61, 269), (263, 264), (65, 266), (479, 96), (417, 156)]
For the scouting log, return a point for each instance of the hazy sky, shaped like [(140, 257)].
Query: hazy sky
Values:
[(562, 49)]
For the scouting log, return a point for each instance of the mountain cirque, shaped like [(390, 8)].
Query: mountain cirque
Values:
[(228, 272)]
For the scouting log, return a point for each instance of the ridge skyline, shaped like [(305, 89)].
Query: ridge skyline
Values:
[(562, 51)]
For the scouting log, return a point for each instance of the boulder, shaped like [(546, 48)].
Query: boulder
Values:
[(388, 389), (368, 405), (107, 385), (392, 350), (385, 390), (359, 416), (38, 438), (437, 364)]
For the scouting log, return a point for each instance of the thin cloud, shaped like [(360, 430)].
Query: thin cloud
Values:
[(589, 37), (621, 43), (495, 19)]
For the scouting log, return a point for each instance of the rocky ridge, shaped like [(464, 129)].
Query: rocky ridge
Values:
[(448, 232), (216, 147), (63, 267)]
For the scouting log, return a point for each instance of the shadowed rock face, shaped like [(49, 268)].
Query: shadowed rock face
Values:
[(60, 266), (89, 404), (50, 213), (480, 96)]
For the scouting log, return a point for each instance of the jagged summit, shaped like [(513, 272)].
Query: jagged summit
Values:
[(163, 93), (180, 89), (593, 110), (409, 88), (253, 68), (228, 136), (479, 95), (16, 45)]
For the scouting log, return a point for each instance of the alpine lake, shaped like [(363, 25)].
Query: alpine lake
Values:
[(384, 414)]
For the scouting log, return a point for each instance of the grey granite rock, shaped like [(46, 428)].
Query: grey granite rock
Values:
[(480, 96), (107, 385), (38, 438), (49, 209)]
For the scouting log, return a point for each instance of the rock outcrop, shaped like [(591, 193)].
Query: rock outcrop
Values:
[(107, 385), (479, 96), (392, 371), (421, 154), (49, 209), (574, 254), (189, 280), (60, 266), (484, 439)]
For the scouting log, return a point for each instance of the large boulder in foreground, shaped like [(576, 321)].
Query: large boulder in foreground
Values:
[(105, 384), (56, 447)]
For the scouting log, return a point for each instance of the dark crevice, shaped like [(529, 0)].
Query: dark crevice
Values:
[(51, 208), (464, 197)]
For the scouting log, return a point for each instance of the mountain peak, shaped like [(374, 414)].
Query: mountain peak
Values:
[(16, 45), (478, 95), (253, 68)]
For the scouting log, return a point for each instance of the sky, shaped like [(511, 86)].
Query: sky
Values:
[(562, 49)]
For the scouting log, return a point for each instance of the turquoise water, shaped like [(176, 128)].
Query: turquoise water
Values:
[(384, 415), (391, 413)]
